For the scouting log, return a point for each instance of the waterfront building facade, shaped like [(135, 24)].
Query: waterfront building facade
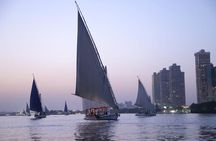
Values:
[(203, 76), (156, 88), (176, 85), (164, 86), (168, 87)]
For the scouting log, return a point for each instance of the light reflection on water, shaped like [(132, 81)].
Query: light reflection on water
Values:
[(95, 130), (167, 127)]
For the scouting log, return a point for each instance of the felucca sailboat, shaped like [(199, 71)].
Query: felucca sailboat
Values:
[(143, 101), (27, 111), (92, 83), (35, 102), (66, 109)]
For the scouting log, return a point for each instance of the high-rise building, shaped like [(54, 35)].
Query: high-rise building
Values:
[(164, 86), (156, 88), (176, 86), (213, 76), (214, 82), (168, 86), (203, 76)]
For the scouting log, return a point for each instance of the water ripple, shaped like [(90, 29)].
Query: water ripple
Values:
[(191, 127)]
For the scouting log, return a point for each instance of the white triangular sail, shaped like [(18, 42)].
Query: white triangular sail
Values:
[(143, 100), (92, 82)]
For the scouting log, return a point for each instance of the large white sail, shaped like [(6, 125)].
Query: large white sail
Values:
[(92, 82), (143, 100)]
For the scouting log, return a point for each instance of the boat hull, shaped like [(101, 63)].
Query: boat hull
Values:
[(103, 117), (40, 115)]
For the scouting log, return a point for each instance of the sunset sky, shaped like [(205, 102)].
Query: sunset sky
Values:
[(134, 38)]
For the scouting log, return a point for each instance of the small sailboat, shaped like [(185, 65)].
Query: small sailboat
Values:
[(66, 109), (143, 101), (35, 102), (92, 83), (46, 110), (27, 111)]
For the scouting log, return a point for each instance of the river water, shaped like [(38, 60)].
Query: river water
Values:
[(163, 127)]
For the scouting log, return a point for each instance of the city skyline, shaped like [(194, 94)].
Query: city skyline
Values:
[(133, 38)]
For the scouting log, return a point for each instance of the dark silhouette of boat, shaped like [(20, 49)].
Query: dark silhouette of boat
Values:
[(143, 102), (92, 82), (35, 102), (66, 112), (27, 111)]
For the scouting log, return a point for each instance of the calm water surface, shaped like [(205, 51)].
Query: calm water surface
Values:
[(163, 127)]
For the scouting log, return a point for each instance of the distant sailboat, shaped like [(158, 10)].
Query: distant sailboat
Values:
[(92, 82), (66, 109), (143, 101), (46, 110), (27, 111), (35, 101)]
